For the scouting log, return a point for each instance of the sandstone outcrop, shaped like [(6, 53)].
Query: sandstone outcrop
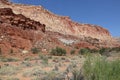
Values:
[(17, 31), (23, 27), (5, 2), (19, 20), (61, 24)]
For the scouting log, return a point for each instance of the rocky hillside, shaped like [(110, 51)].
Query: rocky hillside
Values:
[(17, 31), (23, 27), (56, 23), (20, 33)]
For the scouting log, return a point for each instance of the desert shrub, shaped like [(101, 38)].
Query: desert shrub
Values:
[(77, 75), (11, 60), (116, 49), (44, 59), (51, 75), (100, 69), (104, 51), (84, 51), (26, 64), (35, 50), (94, 51), (72, 52), (27, 59), (34, 72), (58, 51)]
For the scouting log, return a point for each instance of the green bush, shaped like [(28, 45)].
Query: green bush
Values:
[(116, 49), (100, 69), (35, 50), (102, 50), (94, 51), (84, 51), (58, 51), (105, 51)]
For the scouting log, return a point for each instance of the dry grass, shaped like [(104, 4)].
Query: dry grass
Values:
[(42, 67), (45, 68)]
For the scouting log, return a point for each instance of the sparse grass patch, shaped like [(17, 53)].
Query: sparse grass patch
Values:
[(26, 64), (51, 75), (13, 79), (45, 61), (27, 59), (8, 70), (34, 72), (3, 59), (77, 74)]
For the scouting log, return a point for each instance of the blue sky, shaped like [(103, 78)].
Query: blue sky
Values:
[(105, 13)]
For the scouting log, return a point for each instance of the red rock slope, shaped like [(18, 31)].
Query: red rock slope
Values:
[(61, 24), (24, 26), (17, 31)]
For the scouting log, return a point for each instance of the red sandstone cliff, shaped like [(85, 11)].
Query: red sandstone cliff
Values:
[(59, 24), (25, 26), (18, 32)]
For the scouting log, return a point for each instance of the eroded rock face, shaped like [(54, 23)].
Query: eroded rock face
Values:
[(5, 2), (61, 24), (6, 11), (17, 31), (20, 33), (25, 26), (7, 16)]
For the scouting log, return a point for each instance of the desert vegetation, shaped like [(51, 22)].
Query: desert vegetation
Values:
[(58, 51), (98, 68), (57, 65), (35, 50), (36, 44)]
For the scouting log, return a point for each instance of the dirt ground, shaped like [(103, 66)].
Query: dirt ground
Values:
[(40, 67), (43, 67)]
